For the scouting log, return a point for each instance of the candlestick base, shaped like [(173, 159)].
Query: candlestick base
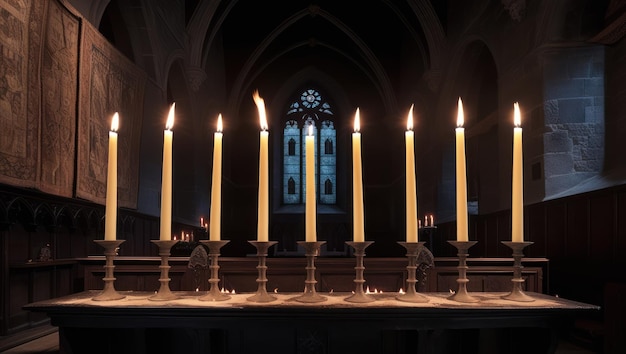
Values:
[(110, 251), (312, 250), (413, 250), (214, 293), (164, 293), (461, 294), (359, 295), (261, 294), (517, 294)]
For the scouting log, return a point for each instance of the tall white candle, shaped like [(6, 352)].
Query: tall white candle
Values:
[(166, 182), (357, 183), (310, 210), (110, 219), (517, 207), (411, 190), (263, 207), (461, 178), (216, 184)]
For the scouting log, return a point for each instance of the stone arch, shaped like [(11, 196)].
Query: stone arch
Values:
[(376, 70), (134, 41)]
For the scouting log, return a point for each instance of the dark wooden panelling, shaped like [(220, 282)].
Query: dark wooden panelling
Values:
[(556, 229), (332, 274), (601, 227), (18, 297), (489, 240), (41, 283), (18, 244), (535, 230), (619, 240), (36, 281), (577, 239), (65, 246), (443, 279)]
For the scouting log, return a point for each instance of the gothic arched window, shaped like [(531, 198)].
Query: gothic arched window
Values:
[(309, 108), (291, 186), (328, 187), (292, 147), (328, 147)]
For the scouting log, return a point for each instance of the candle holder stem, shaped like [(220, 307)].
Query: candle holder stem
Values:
[(359, 252), (164, 293), (517, 294), (261, 294), (311, 250), (110, 251), (413, 250), (461, 294), (214, 293)]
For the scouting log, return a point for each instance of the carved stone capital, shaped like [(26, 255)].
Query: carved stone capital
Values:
[(432, 78), (516, 9), (195, 77)]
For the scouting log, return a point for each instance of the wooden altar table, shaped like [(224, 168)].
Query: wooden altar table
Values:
[(187, 325)]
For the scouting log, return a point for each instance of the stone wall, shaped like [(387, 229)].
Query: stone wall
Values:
[(573, 117)]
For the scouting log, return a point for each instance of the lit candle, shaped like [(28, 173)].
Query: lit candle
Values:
[(110, 227), (216, 183), (357, 183), (263, 208), (411, 201), (461, 183), (166, 183), (310, 213), (517, 207)]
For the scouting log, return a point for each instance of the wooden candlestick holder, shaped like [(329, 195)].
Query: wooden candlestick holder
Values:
[(461, 294), (110, 251), (164, 293), (311, 250), (359, 252), (261, 294), (517, 294), (413, 250), (214, 293)]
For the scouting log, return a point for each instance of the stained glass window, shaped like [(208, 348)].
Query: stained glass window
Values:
[(309, 109)]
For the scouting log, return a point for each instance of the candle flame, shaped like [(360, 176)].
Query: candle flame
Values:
[(310, 129), (409, 120), (517, 118), (170, 118), (460, 118), (219, 123), (357, 121), (260, 103), (115, 122)]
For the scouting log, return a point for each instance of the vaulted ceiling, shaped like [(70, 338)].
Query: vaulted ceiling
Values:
[(385, 43)]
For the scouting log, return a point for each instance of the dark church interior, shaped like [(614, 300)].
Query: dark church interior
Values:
[(67, 66)]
